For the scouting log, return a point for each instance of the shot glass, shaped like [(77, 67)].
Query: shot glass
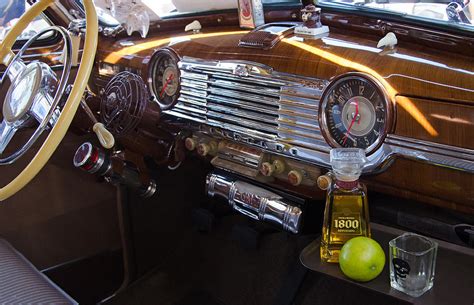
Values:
[(412, 263)]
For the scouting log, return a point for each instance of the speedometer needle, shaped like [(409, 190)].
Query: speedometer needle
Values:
[(170, 78), (352, 122)]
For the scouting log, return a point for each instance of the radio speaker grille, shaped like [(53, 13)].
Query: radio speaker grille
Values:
[(123, 103)]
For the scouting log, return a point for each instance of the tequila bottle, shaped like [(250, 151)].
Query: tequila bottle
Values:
[(346, 214)]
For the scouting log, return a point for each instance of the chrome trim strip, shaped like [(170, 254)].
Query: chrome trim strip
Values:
[(422, 151), (244, 104), (243, 113), (245, 87), (258, 99), (257, 126), (432, 147)]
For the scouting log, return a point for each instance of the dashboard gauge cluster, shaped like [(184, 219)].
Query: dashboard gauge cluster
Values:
[(355, 111), (164, 78)]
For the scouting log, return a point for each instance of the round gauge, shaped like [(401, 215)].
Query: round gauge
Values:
[(165, 78), (355, 112)]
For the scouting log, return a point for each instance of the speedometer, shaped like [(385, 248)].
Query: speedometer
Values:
[(164, 78), (355, 112)]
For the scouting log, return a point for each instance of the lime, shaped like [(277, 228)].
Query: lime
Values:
[(361, 259)]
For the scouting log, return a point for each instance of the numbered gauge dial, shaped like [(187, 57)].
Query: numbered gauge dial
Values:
[(165, 78), (355, 112)]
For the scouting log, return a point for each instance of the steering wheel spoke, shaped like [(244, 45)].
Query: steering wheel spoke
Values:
[(7, 131), (41, 108), (15, 68)]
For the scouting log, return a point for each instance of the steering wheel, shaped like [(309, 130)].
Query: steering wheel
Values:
[(29, 96)]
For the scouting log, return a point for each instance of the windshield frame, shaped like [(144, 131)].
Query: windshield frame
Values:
[(278, 5), (445, 26)]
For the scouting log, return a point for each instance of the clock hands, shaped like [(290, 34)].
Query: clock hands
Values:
[(352, 122)]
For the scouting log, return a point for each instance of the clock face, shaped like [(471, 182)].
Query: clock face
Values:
[(354, 112)]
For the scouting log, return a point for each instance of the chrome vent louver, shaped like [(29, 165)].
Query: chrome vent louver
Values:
[(251, 99)]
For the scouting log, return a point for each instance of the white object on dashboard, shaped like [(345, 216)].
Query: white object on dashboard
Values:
[(133, 16), (138, 20), (194, 26), (302, 30), (390, 40), (203, 5)]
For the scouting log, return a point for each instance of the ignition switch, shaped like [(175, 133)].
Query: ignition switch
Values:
[(116, 171)]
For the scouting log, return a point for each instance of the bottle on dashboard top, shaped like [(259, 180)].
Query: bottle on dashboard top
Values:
[(346, 214)]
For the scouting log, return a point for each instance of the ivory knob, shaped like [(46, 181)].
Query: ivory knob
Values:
[(204, 149), (324, 182), (295, 177), (279, 166), (267, 169), (190, 144)]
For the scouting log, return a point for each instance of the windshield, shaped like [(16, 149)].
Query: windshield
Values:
[(447, 12), (10, 11), (166, 8)]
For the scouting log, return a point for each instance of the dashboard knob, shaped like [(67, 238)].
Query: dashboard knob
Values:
[(267, 169), (204, 149), (295, 177), (190, 144), (324, 182), (279, 166)]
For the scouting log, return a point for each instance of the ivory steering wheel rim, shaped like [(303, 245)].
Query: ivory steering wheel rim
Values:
[(59, 130)]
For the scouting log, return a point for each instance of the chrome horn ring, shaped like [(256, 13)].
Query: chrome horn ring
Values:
[(30, 95)]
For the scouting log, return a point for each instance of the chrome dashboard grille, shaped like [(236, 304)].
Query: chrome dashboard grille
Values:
[(252, 99), (279, 112)]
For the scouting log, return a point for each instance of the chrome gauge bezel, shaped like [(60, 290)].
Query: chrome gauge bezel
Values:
[(155, 60), (389, 116)]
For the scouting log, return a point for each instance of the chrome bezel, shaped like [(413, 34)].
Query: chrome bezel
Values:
[(86, 158), (155, 59), (386, 100)]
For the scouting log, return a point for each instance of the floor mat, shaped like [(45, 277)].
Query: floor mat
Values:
[(199, 298), (216, 263)]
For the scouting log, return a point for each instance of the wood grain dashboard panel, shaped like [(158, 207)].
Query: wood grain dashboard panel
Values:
[(412, 70), (438, 186), (454, 123)]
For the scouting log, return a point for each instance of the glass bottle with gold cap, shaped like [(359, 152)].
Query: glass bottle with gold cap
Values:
[(346, 214)]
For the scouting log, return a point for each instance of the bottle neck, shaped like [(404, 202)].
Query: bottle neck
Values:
[(347, 185)]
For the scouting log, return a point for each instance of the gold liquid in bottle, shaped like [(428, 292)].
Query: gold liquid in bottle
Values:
[(346, 214)]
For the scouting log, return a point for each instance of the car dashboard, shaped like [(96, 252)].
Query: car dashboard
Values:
[(272, 114)]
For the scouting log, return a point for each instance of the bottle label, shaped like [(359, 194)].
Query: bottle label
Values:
[(346, 223), (348, 185)]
